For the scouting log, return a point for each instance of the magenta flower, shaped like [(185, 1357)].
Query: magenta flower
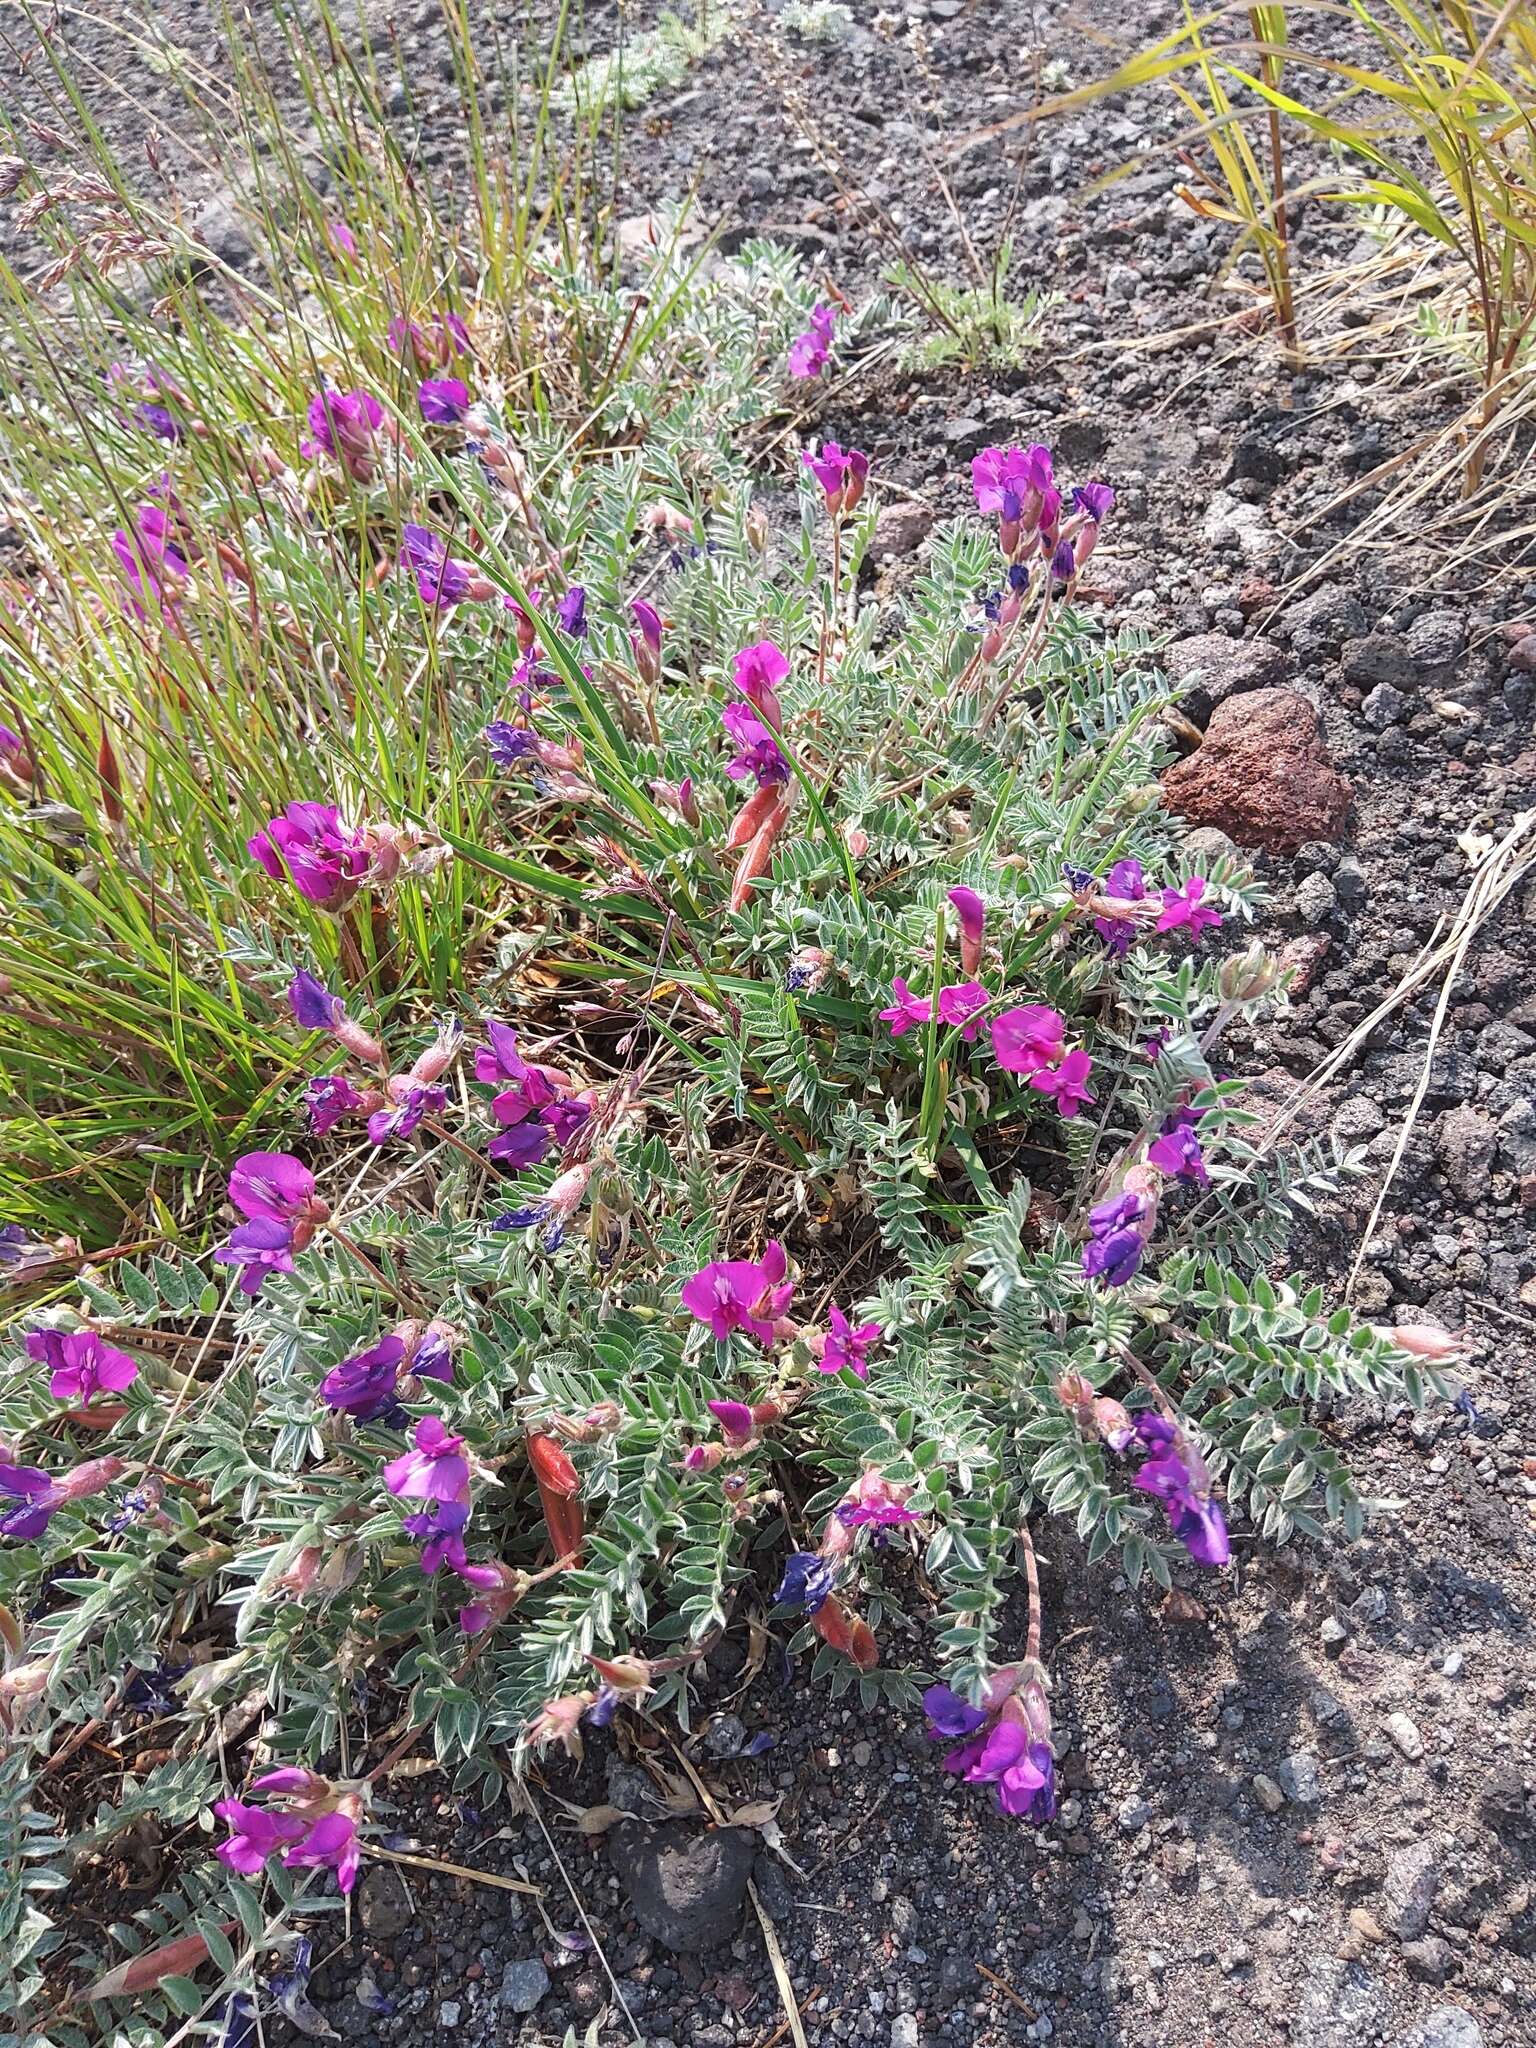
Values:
[(364, 1385), (737, 1423), (444, 401), (345, 426), (435, 1470), (342, 239), (274, 1185), (254, 1835), (961, 1006), (908, 1010), (153, 558), (326, 860), (741, 1294), (842, 474), (756, 671), (500, 1060), (758, 751), (847, 1347), (444, 337), (1027, 1038), (330, 1844), (1183, 906), (1015, 483), (81, 1365), (1066, 1083), (972, 914), (1006, 1744), (646, 643), (810, 352), (441, 1526), (1092, 505), (1175, 1474), (441, 579)]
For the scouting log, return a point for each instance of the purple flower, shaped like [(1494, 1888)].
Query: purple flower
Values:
[(757, 671), (1027, 1038), (434, 1355), (1177, 1152), (258, 1248), (845, 1346), (330, 1844), (1066, 1082), (444, 337), (741, 1294), (508, 744), (1175, 1474), (525, 1144), (1127, 884), (1119, 1228), (810, 352), (343, 425), (441, 580), (949, 1717), (1063, 562), (328, 1098), (1183, 906), (312, 1003), (758, 751), (39, 1498), (571, 612), (908, 1010), (972, 914), (399, 1118), (1094, 501), (364, 1385), (807, 1582), (81, 1365), (444, 401), (648, 619), (961, 1006), (441, 1526), (254, 1834), (310, 846), (566, 1117), (435, 1470)]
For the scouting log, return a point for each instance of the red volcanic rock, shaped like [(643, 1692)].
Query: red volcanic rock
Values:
[(1263, 775)]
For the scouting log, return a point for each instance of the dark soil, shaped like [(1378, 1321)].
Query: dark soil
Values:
[(1307, 1815)]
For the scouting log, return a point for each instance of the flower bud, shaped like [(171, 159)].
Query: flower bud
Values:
[(1247, 976), (758, 531), (1422, 1340)]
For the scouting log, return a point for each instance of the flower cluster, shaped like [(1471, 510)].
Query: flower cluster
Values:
[(370, 1385), (1005, 1742), (538, 1107)]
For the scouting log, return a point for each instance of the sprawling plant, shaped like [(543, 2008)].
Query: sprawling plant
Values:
[(817, 1151)]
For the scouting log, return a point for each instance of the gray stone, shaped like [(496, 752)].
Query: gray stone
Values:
[(1206, 846), (523, 1984), (904, 2031), (1323, 621), (1300, 1778), (222, 228), (1349, 883), (1376, 658), (1448, 2026), (1408, 1888), (1340, 2005), (685, 1888), (1517, 1137), (1315, 900), (1213, 668), (1358, 1118), (1333, 1635), (1429, 1959), (1437, 641), (384, 1903), (1384, 706), (1465, 1139)]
